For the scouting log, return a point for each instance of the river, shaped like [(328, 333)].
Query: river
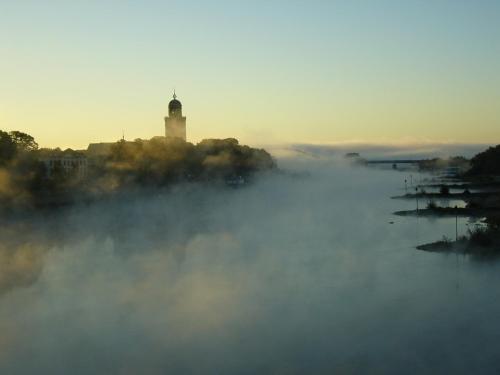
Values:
[(294, 274)]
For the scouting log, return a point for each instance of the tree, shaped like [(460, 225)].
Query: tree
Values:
[(445, 190), (486, 162), (7, 147), (23, 141)]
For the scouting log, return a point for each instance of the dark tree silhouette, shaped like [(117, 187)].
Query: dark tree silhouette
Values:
[(7, 148), (23, 141), (486, 162)]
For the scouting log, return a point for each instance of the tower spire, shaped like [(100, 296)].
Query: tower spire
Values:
[(175, 123)]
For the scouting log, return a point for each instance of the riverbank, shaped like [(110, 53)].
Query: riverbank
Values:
[(482, 242), (451, 196), (450, 212), (482, 204)]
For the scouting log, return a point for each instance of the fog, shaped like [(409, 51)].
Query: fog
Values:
[(295, 273), (410, 150)]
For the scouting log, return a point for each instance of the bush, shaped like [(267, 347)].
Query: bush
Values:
[(431, 205), (480, 236), (445, 190)]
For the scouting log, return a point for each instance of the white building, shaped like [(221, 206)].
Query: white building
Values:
[(67, 163)]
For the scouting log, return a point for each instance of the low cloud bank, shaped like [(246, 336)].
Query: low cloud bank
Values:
[(409, 150)]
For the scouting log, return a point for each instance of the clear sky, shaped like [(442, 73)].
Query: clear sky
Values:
[(75, 71)]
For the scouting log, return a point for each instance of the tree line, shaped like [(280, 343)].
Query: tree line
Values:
[(161, 161)]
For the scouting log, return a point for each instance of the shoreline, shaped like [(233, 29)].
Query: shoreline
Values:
[(460, 196), (449, 212)]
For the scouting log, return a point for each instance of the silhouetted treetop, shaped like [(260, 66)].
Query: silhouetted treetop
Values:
[(486, 162), (162, 160), (7, 147), (51, 176), (23, 141)]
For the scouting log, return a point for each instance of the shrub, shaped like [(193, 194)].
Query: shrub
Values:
[(431, 205), (445, 190)]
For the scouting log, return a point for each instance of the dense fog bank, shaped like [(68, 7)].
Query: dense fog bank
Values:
[(295, 273)]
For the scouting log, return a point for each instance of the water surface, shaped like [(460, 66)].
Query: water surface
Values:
[(304, 274)]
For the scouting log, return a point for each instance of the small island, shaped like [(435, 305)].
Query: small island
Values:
[(36, 178)]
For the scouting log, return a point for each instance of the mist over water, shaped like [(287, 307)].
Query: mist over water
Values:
[(292, 274)]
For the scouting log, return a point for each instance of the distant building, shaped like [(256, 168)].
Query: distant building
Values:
[(96, 150), (65, 162), (175, 123), (175, 126), (99, 149)]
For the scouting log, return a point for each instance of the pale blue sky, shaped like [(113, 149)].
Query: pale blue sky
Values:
[(263, 71)]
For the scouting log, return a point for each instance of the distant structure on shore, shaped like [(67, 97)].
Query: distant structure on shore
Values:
[(175, 123), (65, 162), (175, 126), (99, 149), (77, 162)]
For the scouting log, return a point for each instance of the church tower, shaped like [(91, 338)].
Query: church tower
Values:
[(175, 123)]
